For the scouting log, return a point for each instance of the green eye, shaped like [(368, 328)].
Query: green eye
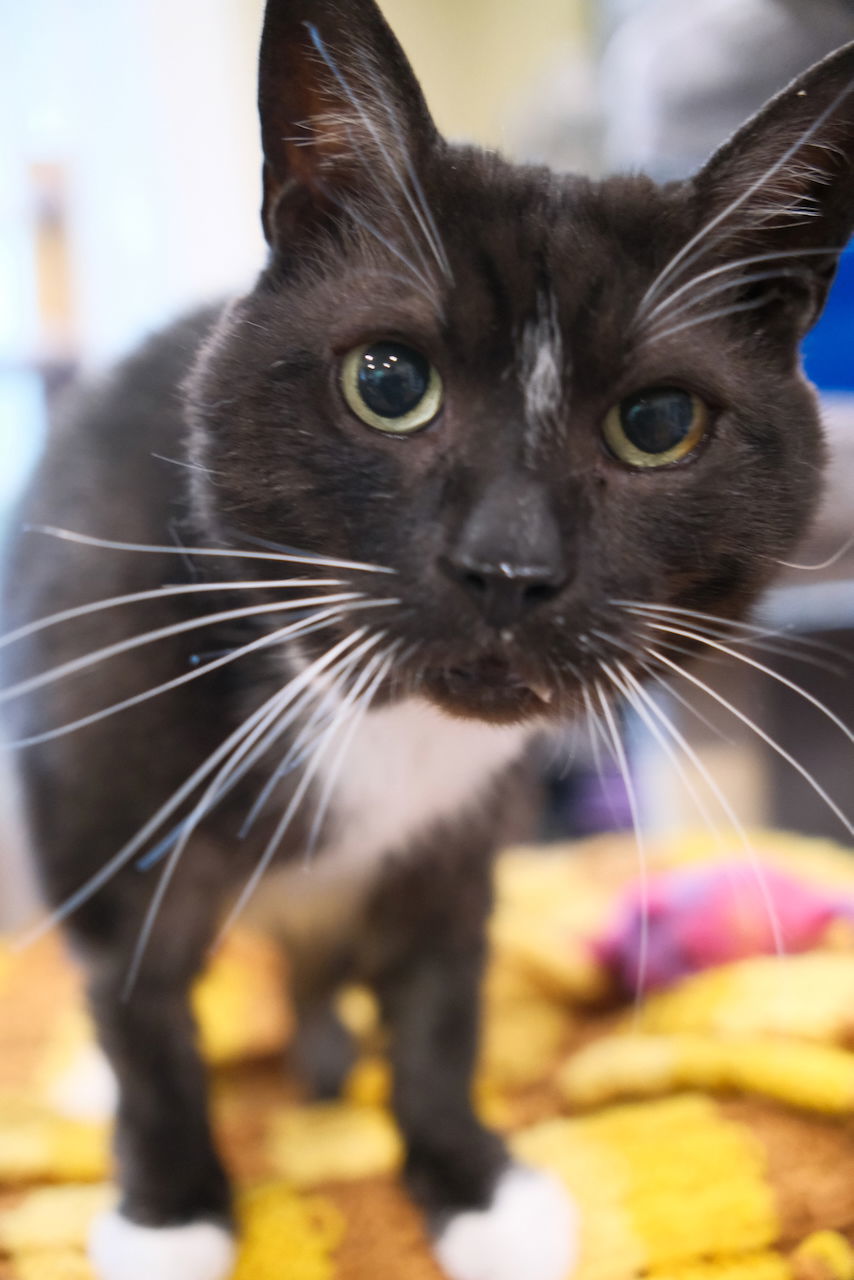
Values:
[(391, 387), (655, 427)]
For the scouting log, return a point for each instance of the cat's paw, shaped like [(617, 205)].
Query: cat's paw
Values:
[(123, 1250), (530, 1229)]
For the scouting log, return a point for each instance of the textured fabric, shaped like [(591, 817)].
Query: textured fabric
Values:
[(707, 1134)]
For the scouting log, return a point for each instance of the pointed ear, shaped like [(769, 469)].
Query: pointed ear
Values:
[(342, 115), (783, 186)]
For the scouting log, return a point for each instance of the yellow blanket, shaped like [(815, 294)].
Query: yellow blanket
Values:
[(707, 1135)]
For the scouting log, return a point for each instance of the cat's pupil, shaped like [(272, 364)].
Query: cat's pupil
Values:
[(393, 379), (657, 421)]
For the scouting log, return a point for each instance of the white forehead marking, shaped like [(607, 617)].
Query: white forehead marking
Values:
[(541, 370)]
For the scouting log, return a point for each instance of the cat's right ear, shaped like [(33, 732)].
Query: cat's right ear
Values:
[(343, 122)]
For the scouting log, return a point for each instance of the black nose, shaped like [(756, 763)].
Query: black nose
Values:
[(503, 592), (508, 556)]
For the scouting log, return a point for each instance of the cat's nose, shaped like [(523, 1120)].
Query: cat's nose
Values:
[(508, 557), (503, 592)]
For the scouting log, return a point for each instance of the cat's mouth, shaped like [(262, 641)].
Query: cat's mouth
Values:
[(489, 688)]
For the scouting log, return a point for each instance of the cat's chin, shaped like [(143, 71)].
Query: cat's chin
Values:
[(486, 691)]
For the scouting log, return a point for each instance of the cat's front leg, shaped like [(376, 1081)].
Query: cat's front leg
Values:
[(491, 1219), (173, 1221)]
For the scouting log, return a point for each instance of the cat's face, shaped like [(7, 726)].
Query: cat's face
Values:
[(534, 398)]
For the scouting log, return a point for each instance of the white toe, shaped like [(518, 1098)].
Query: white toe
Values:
[(530, 1230), (123, 1250)]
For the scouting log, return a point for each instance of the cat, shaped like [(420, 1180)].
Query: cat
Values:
[(478, 432)]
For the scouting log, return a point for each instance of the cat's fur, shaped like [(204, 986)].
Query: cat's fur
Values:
[(512, 534)]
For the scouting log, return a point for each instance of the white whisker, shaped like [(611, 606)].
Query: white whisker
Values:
[(595, 732), (305, 626), (160, 593), (215, 791), (137, 842), (431, 232), (711, 783), (109, 544), (823, 564), (380, 144), (182, 462), (633, 699), (631, 650), (760, 666), (174, 629), (774, 745), (764, 178), (426, 289), (643, 873), (719, 313), (731, 624), (753, 277), (753, 260), (383, 661), (327, 696), (275, 840)]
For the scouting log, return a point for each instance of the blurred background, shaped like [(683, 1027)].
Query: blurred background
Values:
[(129, 188)]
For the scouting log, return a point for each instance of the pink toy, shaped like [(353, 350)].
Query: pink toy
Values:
[(698, 917)]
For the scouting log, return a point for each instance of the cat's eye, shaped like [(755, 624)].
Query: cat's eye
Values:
[(391, 387), (655, 427)]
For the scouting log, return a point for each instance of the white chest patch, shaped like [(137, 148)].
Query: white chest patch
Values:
[(408, 768)]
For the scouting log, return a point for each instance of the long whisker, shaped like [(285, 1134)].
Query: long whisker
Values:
[(609, 639), (711, 783), (138, 841), (731, 624), (720, 313), (214, 792), (368, 123), (426, 287), (640, 843), (292, 713), (736, 264), (595, 731), (275, 840), (760, 666), (161, 593), (774, 745), (753, 277), (174, 629), (633, 699), (823, 564), (433, 236), (303, 627), (631, 650), (109, 544), (383, 661), (326, 697), (753, 642), (705, 231)]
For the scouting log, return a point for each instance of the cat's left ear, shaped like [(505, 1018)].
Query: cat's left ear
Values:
[(783, 185), (343, 120)]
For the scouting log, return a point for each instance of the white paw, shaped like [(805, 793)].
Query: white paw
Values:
[(123, 1250), (530, 1230)]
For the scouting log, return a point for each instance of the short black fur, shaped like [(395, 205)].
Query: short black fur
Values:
[(511, 529)]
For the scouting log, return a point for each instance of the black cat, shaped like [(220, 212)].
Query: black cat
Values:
[(512, 423)]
